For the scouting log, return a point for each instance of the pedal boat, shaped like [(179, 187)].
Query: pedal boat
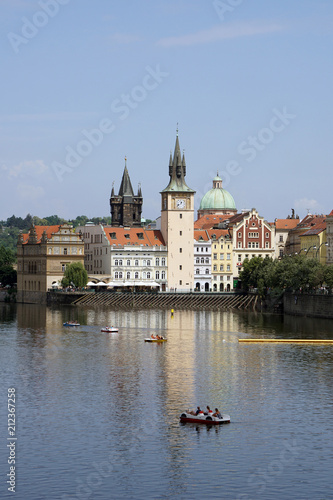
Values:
[(109, 329), (155, 340), (71, 323), (203, 418)]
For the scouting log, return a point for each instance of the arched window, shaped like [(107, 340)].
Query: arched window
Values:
[(202, 260), (197, 260), (136, 275), (148, 262), (128, 262), (148, 275), (163, 261), (136, 262), (157, 275), (128, 275), (157, 261), (207, 260), (207, 271), (197, 271), (116, 262), (120, 275), (116, 275), (163, 275), (144, 262), (120, 262), (144, 275)]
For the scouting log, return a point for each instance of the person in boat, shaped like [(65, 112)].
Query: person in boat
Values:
[(217, 413), (153, 337), (208, 411), (197, 412)]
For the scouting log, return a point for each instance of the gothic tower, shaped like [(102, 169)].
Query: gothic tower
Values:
[(177, 223), (126, 208)]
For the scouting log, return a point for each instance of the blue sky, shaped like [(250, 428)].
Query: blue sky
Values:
[(85, 83)]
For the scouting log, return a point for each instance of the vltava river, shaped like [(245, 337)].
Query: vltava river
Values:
[(97, 414)]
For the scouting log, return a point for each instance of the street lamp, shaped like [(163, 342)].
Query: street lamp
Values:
[(314, 247), (300, 251), (326, 244)]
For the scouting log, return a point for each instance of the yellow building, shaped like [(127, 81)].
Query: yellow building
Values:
[(42, 257), (313, 243)]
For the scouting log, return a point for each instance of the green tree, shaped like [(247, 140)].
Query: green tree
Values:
[(8, 275), (75, 274), (328, 276)]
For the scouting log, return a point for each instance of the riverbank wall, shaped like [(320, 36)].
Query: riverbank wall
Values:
[(309, 305)]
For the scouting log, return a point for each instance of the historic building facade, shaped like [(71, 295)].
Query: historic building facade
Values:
[(42, 257)]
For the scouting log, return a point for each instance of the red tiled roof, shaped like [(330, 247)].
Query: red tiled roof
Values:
[(208, 221), (39, 231), (286, 223), (134, 236), (316, 229)]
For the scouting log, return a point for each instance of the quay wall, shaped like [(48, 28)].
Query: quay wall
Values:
[(310, 305)]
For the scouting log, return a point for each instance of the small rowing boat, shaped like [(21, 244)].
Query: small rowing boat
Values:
[(109, 329)]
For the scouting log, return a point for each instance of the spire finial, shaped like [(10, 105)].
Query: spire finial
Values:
[(125, 161), (177, 130)]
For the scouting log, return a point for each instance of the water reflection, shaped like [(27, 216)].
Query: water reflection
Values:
[(87, 397)]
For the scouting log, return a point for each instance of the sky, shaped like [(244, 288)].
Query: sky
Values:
[(84, 84)]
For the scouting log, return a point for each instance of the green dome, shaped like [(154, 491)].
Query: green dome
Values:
[(217, 198)]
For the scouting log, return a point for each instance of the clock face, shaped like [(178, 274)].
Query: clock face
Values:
[(180, 203)]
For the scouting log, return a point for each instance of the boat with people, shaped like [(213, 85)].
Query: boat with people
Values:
[(204, 418), (109, 329), (71, 323), (156, 338)]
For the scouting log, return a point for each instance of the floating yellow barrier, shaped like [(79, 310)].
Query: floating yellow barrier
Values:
[(303, 341)]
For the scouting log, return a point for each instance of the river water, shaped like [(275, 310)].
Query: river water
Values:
[(97, 414)]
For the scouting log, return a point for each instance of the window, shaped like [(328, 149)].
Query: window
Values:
[(180, 282), (221, 247), (281, 237), (116, 275), (163, 275), (63, 268), (140, 236), (239, 244), (180, 233), (281, 252), (163, 261), (222, 256), (222, 267), (249, 245), (136, 262), (215, 256), (116, 262), (267, 244), (239, 258), (148, 275), (207, 271), (120, 275), (157, 275), (214, 247), (136, 275), (113, 236), (144, 262), (215, 267), (180, 250), (257, 244), (228, 267), (148, 262), (239, 235), (157, 261), (197, 260), (128, 275), (128, 262), (197, 271), (267, 235), (180, 268), (180, 216), (207, 260), (228, 256)]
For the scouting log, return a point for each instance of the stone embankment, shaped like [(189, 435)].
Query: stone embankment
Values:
[(310, 305)]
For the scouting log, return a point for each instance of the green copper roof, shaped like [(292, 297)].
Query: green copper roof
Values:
[(217, 199)]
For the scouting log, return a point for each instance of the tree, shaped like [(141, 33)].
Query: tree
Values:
[(8, 275), (75, 274)]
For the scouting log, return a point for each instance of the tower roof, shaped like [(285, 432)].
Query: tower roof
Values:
[(126, 186), (177, 172), (217, 198)]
